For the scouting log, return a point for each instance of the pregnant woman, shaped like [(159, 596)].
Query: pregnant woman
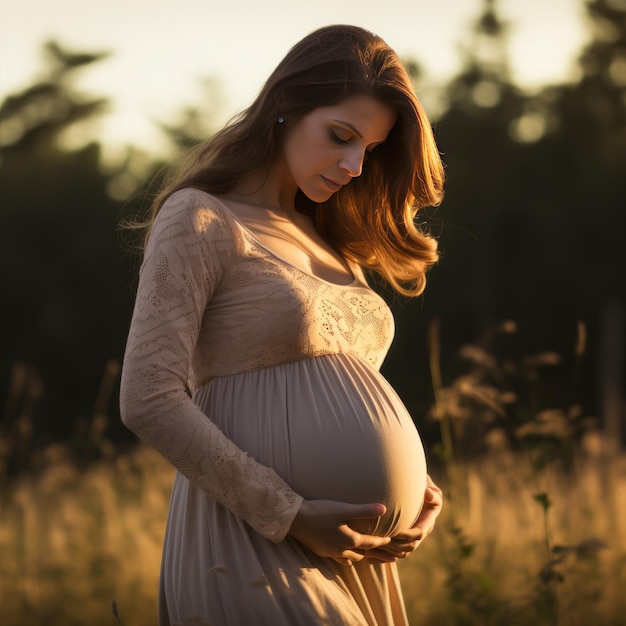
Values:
[(253, 354)]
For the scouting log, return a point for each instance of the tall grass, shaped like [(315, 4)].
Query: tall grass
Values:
[(501, 556), (73, 542), (534, 536)]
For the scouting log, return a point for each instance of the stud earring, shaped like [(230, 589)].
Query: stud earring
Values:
[(281, 119)]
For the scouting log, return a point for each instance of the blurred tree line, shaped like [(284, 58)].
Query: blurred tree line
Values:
[(531, 230)]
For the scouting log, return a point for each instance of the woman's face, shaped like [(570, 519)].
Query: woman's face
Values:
[(326, 149)]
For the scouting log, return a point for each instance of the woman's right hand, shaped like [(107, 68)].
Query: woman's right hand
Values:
[(322, 526)]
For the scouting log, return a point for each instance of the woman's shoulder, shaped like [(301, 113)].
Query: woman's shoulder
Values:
[(197, 209), (189, 218), (193, 200)]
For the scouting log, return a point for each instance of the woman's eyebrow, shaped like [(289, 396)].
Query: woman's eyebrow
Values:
[(351, 126)]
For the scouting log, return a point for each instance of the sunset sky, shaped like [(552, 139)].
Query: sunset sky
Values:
[(161, 48)]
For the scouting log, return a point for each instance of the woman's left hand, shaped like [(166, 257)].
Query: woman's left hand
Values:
[(403, 544)]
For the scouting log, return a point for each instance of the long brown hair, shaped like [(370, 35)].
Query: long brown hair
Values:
[(371, 221)]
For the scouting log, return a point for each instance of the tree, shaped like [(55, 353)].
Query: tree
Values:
[(586, 152), (61, 266), (474, 136)]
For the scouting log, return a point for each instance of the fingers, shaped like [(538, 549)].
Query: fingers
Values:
[(425, 523), (409, 536), (408, 541), (324, 527), (350, 557), (436, 497), (403, 544), (364, 540), (378, 555), (398, 547), (382, 555), (364, 511), (369, 542)]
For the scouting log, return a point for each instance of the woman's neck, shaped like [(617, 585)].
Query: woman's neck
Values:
[(271, 189)]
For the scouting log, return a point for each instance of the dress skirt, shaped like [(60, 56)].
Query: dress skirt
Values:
[(333, 428)]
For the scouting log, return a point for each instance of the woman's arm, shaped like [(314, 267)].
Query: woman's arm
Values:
[(189, 249)]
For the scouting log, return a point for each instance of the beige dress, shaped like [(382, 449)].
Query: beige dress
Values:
[(259, 382)]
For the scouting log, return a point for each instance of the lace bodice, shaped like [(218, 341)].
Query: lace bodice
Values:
[(214, 301)]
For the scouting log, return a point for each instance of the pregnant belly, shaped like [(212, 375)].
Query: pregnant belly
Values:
[(334, 429), (357, 443)]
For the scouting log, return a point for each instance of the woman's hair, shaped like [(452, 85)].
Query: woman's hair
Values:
[(370, 221)]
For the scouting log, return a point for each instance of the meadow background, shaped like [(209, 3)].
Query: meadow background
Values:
[(512, 363)]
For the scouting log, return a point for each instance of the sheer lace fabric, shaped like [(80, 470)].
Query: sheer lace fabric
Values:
[(213, 301)]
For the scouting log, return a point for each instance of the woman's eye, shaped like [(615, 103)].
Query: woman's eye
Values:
[(338, 138)]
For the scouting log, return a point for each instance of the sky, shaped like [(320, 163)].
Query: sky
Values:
[(161, 49)]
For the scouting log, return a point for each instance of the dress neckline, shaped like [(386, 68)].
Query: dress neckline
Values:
[(355, 282)]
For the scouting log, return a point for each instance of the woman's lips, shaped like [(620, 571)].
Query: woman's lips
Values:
[(331, 184)]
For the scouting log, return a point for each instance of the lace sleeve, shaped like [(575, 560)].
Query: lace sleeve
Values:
[(188, 251)]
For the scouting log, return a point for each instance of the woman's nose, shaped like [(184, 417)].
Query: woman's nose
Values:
[(352, 162)]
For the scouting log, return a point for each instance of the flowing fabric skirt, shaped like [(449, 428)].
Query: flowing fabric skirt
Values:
[(333, 428)]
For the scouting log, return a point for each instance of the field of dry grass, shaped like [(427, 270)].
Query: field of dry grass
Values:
[(519, 547), (73, 542)]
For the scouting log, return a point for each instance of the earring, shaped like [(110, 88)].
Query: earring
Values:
[(281, 119)]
